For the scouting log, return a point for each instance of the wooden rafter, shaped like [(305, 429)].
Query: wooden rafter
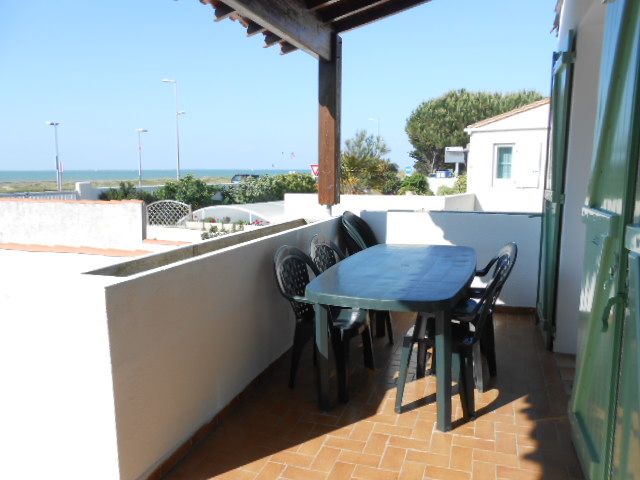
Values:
[(313, 4), (222, 11), (253, 28), (374, 13), (271, 39)]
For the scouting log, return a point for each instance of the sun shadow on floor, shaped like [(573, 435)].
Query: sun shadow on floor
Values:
[(520, 430)]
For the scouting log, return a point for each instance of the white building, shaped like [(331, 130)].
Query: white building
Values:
[(507, 158)]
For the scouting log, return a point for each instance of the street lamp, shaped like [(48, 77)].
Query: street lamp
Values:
[(140, 132), (377, 120), (58, 164), (178, 113)]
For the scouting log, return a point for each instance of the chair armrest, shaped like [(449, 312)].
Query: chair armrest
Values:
[(485, 270)]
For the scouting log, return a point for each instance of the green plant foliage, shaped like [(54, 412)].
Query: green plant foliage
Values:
[(268, 188), (416, 183), (363, 166), (190, 190), (127, 191), (459, 186), (440, 122)]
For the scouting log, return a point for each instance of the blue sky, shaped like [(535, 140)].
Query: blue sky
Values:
[(96, 67)]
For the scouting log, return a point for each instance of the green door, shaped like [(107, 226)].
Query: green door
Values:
[(626, 443), (604, 293), (561, 81)]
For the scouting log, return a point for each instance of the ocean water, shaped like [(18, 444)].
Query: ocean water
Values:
[(93, 175)]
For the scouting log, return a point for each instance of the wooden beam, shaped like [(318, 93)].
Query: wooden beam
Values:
[(374, 13), (291, 21), (345, 8), (329, 98)]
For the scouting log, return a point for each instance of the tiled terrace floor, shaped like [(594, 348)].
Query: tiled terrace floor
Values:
[(521, 430)]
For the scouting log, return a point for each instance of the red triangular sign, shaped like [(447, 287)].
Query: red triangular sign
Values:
[(315, 169)]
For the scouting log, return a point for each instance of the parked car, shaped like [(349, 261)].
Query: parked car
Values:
[(241, 177)]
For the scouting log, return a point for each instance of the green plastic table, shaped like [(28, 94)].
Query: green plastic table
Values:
[(398, 278)]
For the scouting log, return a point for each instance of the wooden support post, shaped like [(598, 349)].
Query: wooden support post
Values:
[(329, 97)]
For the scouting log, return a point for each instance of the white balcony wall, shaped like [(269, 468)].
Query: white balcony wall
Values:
[(485, 232), (187, 338), (57, 416)]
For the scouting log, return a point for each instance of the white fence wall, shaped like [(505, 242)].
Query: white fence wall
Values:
[(485, 232), (72, 223), (305, 205)]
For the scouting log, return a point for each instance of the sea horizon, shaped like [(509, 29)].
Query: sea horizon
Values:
[(8, 176)]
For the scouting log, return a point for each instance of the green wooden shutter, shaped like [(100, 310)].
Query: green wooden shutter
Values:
[(554, 184)]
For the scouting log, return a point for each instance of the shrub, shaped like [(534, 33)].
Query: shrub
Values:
[(392, 186), (127, 191), (189, 190), (268, 188), (416, 183), (459, 186)]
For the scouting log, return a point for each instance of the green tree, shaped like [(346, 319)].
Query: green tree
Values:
[(363, 165), (188, 189), (416, 183), (440, 122)]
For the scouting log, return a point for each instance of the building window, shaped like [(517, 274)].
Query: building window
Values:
[(504, 156)]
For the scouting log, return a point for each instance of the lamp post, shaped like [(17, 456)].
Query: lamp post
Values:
[(377, 120), (58, 170), (178, 113), (140, 132)]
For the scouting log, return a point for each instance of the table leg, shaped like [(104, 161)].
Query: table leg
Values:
[(443, 370), (322, 347)]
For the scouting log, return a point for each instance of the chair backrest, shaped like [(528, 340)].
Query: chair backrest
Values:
[(291, 266), (324, 253), (358, 233), (504, 263)]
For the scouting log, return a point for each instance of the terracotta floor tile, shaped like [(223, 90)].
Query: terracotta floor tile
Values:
[(412, 471), (393, 458), (409, 443), (483, 471), (341, 471), (291, 458), (441, 443), (345, 443), (461, 458), (509, 473), (271, 471), (521, 431), (370, 473), (376, 444), (297, 473), (325, 459), (348, 456), (441, 473)]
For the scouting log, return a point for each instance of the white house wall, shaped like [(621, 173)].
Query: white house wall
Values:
[(527, 132), (587, 18)]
